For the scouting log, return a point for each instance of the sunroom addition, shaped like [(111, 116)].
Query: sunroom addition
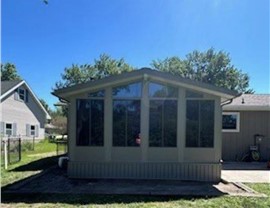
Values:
[(145, 125)]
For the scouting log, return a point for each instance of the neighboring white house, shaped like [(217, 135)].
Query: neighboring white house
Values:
[(21, 112)]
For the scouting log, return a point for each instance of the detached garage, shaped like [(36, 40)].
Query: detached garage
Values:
[(145, 124)]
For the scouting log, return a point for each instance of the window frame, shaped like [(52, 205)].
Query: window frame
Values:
[(89, 99), (11, 129), (163, 98), (123, 98), (32, 131), (126, 138), (204, 98), (237, 122), (23, 94)]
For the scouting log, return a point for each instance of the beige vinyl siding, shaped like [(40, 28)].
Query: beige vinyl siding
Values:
[(235, 144), (146, 170), (23, 114)]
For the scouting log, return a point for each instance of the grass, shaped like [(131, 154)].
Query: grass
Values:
[(42, 149), (35, 161), (81, 200)]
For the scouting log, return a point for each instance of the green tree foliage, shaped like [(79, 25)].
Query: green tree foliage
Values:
[(209, 66), (9, 72), (102, 67), (45, 105)]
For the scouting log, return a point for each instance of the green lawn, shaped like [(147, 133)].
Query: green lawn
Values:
[(68, 200), (44, 149)]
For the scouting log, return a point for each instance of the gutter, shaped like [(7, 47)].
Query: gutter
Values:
[(229, 101), (63, 100)]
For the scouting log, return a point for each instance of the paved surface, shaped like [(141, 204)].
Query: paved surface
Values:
[(254, 172), (55, 181)]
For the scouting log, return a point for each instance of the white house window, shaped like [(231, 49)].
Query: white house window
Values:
[(32, 130), (200, 123), (162, 115), (9, 129), (231, 122), (126, 115), (21, 94)]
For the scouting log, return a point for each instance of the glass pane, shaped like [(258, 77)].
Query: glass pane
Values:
[(192, 123), (170, 123), (133, 122), (229, 122), (119, 123), (131, 90), (83, 121), (21, 91), (207, 123), (97, 123), (8, 126), (155, 123), (158, 90), (100, 93), (8, 132), (32, 127), (126, 122), (192, 94)]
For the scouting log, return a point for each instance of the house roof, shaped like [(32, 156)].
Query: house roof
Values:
[(148, 74), (250, 102), (8, 87)]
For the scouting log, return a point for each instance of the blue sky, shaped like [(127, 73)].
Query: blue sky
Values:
[(41, 40)]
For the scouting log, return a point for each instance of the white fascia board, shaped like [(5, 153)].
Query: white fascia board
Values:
[(11, 90), (127, 79)]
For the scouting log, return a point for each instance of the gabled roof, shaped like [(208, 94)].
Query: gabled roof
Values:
[(8, 87), (250, 102), (149, 74)]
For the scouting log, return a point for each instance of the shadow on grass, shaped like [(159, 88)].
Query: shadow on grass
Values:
[(40, 164), (91, 199)]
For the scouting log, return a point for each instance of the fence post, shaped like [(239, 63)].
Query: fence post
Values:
[(56, 148), (20, 149), (5, 153), (33, 143), (8, 148)]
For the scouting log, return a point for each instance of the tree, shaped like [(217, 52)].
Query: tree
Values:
[(209, 66), (9, 72), (102, 67), (45, 105), (59, 120)]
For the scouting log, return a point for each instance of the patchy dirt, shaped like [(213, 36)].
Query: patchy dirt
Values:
[(55, 180)]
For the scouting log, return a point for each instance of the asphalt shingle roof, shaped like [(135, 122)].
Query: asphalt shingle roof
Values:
[(252, 100), (7, 85)]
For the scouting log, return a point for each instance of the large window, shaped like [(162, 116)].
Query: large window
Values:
[(126, 115), (90, 122), (200, 123), (126, 122), (230, 122), (162, 115)]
